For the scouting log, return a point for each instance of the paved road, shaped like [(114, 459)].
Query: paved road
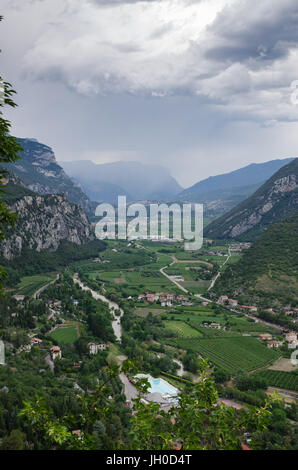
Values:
[(129, 390), (180, 371), (170, 278), (39, 291), (50, 363), (199, 296), (219, 272)]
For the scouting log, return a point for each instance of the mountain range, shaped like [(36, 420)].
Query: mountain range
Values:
[(222, 192), (274, 201), (135, 180), (40, 172)]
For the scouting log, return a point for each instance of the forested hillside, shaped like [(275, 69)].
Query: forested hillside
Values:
[(268, 270)]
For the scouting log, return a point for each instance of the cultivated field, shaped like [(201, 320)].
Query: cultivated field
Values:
[(231, 354), (66, 334), (182, 329), (280, 379), (30, 284)]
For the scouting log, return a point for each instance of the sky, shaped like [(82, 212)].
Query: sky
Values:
[(200, 87)]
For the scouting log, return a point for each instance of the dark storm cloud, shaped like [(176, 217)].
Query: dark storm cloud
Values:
[(150, 81), (254, 30)]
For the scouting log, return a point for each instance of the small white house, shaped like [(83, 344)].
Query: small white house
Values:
[(291, 337), (95, 348), (56, 352)]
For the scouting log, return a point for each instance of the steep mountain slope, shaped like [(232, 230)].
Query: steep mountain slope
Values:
[(274, 201), (223, 192), (268, 271), (40, 172), (104, 182), (43, 221), (246, 178)]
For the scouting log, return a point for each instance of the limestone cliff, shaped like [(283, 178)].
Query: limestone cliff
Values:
[(40, 172), (43, 221), (276, 200)]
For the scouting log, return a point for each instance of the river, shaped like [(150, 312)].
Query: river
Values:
[(116, 324)]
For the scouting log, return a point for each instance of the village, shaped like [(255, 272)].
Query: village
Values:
[(290, 337), (165, 299)]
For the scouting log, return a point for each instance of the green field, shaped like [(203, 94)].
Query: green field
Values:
[(65, 334), (235, 325), (30, 284), (280, 379), (231, 354), (182, 329), (143, 312), (137, 281)]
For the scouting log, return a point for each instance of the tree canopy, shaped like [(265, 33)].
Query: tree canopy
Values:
[(9, 152)]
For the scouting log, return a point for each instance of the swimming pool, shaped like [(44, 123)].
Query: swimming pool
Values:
[(162, 387)]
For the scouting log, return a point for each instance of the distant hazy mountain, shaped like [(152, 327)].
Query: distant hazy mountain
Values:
[(40, 172), (136, 181), (274, 201), (222, 192)]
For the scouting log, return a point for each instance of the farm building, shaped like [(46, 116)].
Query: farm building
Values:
[(265, 337), (56, 352), (95, 348)]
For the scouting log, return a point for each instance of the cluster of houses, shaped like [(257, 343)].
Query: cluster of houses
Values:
[(55, 351), (290, 338), (239, 247), (165, 299), (288, 311), (215, 253), (224, 300)]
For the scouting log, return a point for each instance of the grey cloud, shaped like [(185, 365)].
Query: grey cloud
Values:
[(254, 30), (118, 2)]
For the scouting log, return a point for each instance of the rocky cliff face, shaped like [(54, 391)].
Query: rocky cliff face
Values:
[(43, 223), (39, 171), (276, 200)]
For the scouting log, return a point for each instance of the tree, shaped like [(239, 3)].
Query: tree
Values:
[(14, 441), (9, 150), (195, 424)]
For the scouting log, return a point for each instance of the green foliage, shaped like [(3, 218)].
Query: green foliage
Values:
[(267, 272), (196, 423), (231, 354), (281, 379), (14, 441), (32, 262), (9, 149), (245, 382)]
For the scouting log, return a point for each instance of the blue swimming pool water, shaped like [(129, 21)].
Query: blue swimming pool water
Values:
[(162, 387)]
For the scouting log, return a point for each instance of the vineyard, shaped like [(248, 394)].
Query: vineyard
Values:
[(182, 329), (231, 354), (281, 379)]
